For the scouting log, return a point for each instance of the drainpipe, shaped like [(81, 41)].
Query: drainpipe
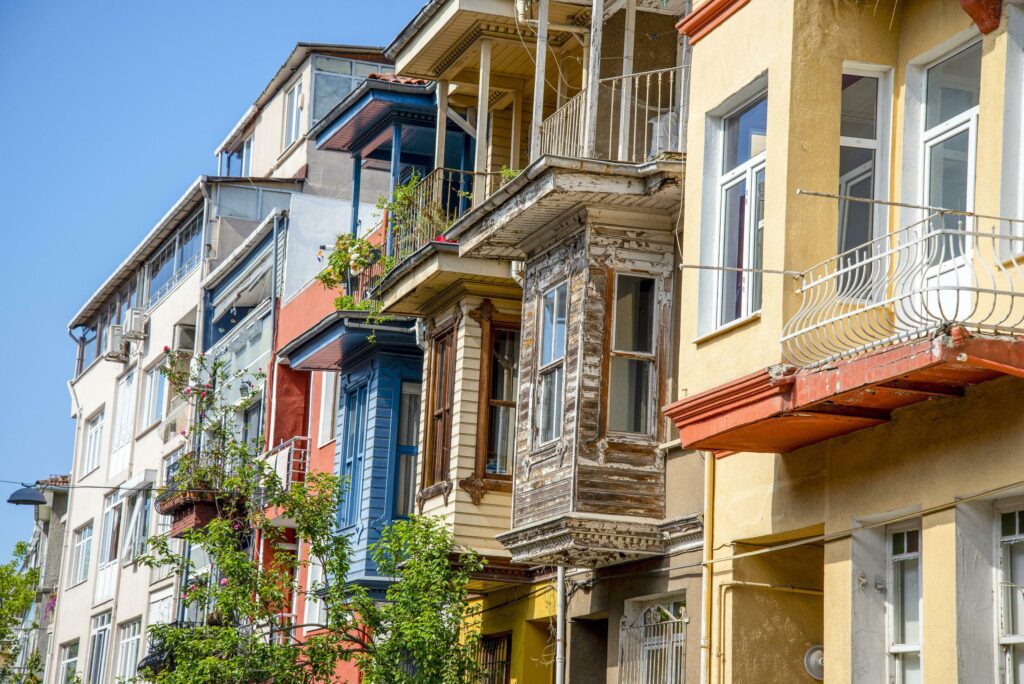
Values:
[(708, 534), (560, 628), (273, 335)]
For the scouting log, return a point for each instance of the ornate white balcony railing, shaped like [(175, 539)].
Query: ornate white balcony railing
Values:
[(639, 117), (949, 269), (290, 461)]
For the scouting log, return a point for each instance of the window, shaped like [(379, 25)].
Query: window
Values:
[(93, 444), (551, 380), (862, 165), (1011, 595), (334, 78), (253, 204), (316, 610), (176, 258), (67, 671), (352, 455), (950, 137), (161, 606), (442, 396), (495, 658), (125, 302), (88, 347), (653, 643), (128, 650), (292, 114), (110, 546), (156, 391), (124, 424), (408, 443), (501, 387), (328, 407), (631, 368), (741, 212), (81, 554), (99, 637), (136, 531), (904, 605), (251, 424)]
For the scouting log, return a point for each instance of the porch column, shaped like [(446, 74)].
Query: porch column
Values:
[(442, 123), (593, 78), (626, 94), (357, 173), (396, 169), (483, 101), (538, 78), (517, 129)]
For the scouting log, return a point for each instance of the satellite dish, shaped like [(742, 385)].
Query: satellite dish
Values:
[(814, 662)]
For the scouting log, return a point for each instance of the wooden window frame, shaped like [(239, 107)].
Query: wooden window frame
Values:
[(436, 475), (541, 369), (491, 322)]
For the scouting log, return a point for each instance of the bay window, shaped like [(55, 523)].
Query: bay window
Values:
[(950, 138), (903, 604), (741, 212), (551, 377), (1011, 596), (175, 259), (631, 367), (408, 441)]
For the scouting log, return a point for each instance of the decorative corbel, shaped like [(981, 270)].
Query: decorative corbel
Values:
[(475, 486), (985, 13)]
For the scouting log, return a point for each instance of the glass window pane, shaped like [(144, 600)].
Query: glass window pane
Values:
[(858, 114), (910, 668), (504, 365), (553, 330), (409, 415), (189, 243), (907, 576), (735, 208), (551, 404), (897, 544), (238, 202), (757, 243), (273, 200), (1008, 524), (634, 314), (501, 440), (363, 70), (405, 491), (161, 272), (629, 398), (856, 179), (948, 171), (953, 86), (328, 91), (913, 541), (1013, 576), (334, 65), (746, 134)]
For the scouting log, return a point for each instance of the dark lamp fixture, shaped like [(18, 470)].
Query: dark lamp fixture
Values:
[(27, 496)]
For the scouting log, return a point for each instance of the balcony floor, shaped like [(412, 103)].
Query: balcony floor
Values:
[(780, 409)]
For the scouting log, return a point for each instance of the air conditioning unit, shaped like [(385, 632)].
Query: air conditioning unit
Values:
[(115, 344), (135, 324), (184, 338)]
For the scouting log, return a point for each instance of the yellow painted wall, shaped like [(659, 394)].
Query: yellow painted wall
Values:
[(528, 611)]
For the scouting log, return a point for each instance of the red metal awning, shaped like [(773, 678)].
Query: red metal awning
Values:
[(780, 409)]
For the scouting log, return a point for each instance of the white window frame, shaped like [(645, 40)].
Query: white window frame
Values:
[(880, 145), (136, 526), (68, 666), (315, 611), (111, 529), (92, 454), (328, 424), (1005, 640), (247, 146), (292, 114), (99, 625), (81, 553), (651, 358), (124, 422), (894, 651), (554, 365), (156, 397), (744, 172), (129, 647)]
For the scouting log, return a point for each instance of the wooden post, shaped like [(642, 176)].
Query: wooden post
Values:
[(626, 94), (517, 129), (442, 123), (396, 170), (593, 78), (483, 100), (357, 174), (539, 78)]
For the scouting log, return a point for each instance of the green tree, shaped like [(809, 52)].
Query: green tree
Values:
[(17, 591), (240, 633)]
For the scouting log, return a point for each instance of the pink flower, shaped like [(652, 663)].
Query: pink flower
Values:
[(166, 348), (202, 394), (224, 582), (184, 595), (183, 433), (187, 390)]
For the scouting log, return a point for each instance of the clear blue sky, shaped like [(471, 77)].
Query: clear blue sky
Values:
[(108, 110)]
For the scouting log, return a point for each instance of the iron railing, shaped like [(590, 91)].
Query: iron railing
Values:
[(653, 651), (639, 118), (948, 269), (290, 461), (436, 202)]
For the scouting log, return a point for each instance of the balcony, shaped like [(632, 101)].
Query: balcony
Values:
[(195, 493), (289, 462), (639, 119), (922, 313), (417, 229)]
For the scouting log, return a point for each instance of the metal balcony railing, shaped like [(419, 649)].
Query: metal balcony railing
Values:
[(290, 461), (653, 651), (949, 269), (436, 202), (639, 118)]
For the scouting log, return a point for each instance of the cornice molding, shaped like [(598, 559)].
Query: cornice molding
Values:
[(708, 17)]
